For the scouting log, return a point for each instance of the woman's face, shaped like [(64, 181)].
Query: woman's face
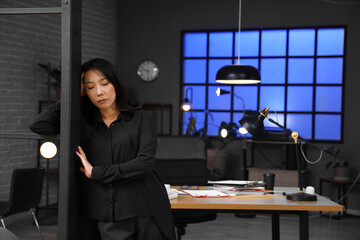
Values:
[(99, 89)]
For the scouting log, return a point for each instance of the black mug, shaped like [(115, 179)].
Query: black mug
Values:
[(269, 179)]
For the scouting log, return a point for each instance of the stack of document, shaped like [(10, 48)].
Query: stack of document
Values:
[(239, 187), (171, 192), (206, 193)]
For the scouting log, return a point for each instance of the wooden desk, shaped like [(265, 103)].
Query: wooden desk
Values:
[(271, 204)]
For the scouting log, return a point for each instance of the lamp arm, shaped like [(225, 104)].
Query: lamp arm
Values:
[(289, 131), (242, 100)]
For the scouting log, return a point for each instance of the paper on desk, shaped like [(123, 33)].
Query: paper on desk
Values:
[(206, 193), (237, 183)]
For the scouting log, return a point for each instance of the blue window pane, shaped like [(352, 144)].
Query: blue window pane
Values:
[(214, 66), (199, 96), (213, 127), (277, 117), (302, 42), (329, 70), (249, 43), (328, 127), (249, 94), (220, 44), (250, 62), (272, 98), (199, 118), (195, 44), (221, 102), (300, 70), (301, 123), (299, 99), (273, 43), (194, 71), (328, 99), (330, 41), (273, 71)]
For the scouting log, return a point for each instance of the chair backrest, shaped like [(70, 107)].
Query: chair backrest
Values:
[(181, 160), (6, 234), (26, 189)]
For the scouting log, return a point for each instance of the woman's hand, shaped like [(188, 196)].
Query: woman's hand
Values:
[(86, 168)]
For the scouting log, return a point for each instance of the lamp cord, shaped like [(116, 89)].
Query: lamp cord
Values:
[(307, 160), (349, 190), (239, 32)]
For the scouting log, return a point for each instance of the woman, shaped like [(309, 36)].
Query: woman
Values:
[(119, 188)]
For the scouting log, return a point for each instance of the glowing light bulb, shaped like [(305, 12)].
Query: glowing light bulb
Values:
[(243, 130), (186, 107), (218, 91), (48, 150), (223, 133)]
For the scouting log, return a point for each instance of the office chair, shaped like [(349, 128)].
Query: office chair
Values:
[(25, 194), (182, 160), (6, 234)]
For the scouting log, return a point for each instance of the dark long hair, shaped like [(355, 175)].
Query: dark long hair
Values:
[(111, 73)]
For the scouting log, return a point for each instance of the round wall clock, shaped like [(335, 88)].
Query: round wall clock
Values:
[(148, 71)]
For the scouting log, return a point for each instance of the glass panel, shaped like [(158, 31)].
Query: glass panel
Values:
[(302, 42), (300, 99), (214, 66), (220, 44), (194, 71), (249, 94), (279, 118), (273, 70), (249, 44), (272, 98), (300, 70), (301, 123), (273, 43), (250, 62), (328, 99), (329, 70), (328, 127), (213, 127), (198, 100), (221, 102), (195, 44), (199, 118), (330, 41)]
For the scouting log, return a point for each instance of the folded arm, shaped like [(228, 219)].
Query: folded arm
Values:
[(48, 121)]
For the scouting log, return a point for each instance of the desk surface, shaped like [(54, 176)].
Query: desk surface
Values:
[(255, 202)]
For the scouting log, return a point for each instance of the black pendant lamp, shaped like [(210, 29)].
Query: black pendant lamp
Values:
[(236, 73)]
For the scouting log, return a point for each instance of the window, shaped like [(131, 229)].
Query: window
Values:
[(301, 78)]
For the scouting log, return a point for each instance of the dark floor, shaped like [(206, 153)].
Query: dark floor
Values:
[(227, 227)]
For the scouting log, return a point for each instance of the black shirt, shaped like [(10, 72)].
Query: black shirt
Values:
[(123, 183)]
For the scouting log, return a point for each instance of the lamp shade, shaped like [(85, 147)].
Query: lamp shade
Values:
[(254, 125), (238, 74)]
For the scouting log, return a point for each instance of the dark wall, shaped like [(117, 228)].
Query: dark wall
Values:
[(152, 29), (26, 41)]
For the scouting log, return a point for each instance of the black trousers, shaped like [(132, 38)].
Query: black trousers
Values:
[(137, 228)]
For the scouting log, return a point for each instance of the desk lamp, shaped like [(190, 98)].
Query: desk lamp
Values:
[(242, 130), (48, 150), (255, 126), (186, 106)]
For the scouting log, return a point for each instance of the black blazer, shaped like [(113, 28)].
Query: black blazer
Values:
[(123, 183)]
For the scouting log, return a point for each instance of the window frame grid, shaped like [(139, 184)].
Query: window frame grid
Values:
[(233, 59)]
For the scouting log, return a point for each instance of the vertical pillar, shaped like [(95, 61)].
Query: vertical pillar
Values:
[(70, 117)]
